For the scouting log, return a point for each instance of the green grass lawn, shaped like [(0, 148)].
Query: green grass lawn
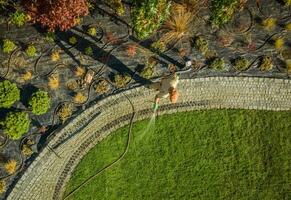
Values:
[(215, 154)]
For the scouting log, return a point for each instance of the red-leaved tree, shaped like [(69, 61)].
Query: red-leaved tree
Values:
[(55, 14)]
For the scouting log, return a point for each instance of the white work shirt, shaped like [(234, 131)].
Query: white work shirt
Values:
[(166, 83)]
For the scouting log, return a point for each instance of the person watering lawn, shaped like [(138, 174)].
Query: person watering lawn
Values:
[(167, 87)]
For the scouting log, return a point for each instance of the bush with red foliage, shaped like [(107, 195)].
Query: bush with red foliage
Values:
[(62, 14)]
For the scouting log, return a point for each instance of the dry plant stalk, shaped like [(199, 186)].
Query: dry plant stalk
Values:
[(179, 24), (65, 112), (79, 98), (10, 166), (54, 82)]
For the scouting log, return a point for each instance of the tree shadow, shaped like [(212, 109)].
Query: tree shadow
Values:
[(98, 54)]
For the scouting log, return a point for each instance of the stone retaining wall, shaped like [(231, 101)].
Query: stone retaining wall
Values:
[(47, 176)]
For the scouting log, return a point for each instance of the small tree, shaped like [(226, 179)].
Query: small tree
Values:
[(15, 124), (9, 93), (39, 102), (148, 15), (55, 14)]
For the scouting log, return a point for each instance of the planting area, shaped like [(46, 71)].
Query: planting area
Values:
[(213, 154), (58, 58)]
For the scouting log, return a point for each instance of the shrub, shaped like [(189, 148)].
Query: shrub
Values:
[(30, 50), (39, 102), (279, 43), (15, 124), (3, 4), (287, 2), (26, 76), (54, 82), (148, 15), (131, 50), (8, 46), (266, 64), (55, 56), (118, 6), (79, 98), (26, 150), (89, 51), (149, 69), (121, 80), (217, 64), (18, 18), (101, 87), (56, 14), (178, 25), (241, 64), (159, 46), (73, 40), (288, 27), (10, 166), (9, 94), (2, 186), (147, 72), (80, 71), (65, 112), (269, 23), (50, 36), (222, 11), (92, 31), (201, 44)]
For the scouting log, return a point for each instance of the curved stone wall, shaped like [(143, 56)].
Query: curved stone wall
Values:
[(47, 176)]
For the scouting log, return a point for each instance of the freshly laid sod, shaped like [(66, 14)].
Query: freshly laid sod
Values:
[(214, 154)]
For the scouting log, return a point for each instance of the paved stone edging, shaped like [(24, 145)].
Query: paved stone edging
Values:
[(47, 176)]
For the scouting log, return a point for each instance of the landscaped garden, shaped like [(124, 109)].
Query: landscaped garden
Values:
[(213, 154), (60, 57)]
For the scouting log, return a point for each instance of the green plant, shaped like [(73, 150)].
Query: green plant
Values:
[(15, 124), (266, 64), (159, 46), (89, 51), (102, 87), (26, 150), (73, 40), (2, 186), (279, 43), (3, 4), (201, 44), (8, 46), (50, 36), (118, 6), (287, 2), (241, 64), (121, 80), (18, 18), (149, 69), (39, 102), (92, 31), (148, 15), (147, 72), (218, 64), (9, 94), (269, 23), (30, 50), (222, 11)]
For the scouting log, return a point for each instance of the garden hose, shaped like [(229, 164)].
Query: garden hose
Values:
[(115, 161)]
